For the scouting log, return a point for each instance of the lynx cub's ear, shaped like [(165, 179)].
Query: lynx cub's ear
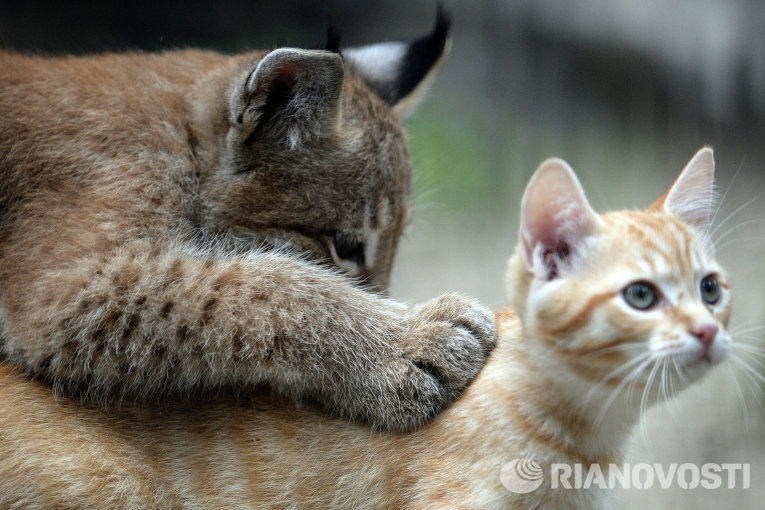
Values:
[(400, 71), (295, 91), (692, 195), (555, 219)]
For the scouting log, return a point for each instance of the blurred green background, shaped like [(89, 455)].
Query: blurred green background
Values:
[(626, 91)]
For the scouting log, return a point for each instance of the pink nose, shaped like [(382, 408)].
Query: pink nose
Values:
[(706, 333)]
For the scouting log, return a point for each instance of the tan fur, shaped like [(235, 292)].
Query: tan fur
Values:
[(536, 398), (176, 223)]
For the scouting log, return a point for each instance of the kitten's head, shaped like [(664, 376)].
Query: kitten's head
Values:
[(315, 155), (627, 297)]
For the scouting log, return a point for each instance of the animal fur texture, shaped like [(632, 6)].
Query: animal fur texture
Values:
[(610, 313), (183, 222)]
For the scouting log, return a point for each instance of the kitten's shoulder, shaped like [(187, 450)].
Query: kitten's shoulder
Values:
[(508, 322)]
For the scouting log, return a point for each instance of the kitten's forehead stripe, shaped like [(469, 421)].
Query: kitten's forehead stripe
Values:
[(667, 245)]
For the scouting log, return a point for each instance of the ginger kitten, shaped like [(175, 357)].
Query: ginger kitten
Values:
[(606, 309)]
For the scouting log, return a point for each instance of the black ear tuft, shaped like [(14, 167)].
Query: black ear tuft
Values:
[(396, 70), (333, 38), (423, 54)]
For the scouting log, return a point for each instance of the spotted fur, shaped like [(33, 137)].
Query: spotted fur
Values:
[(169, 225), (545, 394)]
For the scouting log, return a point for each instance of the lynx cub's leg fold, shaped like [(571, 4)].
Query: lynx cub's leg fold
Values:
[(208, 225)]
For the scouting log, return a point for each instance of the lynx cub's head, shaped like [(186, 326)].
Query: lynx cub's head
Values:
[(624, 298), (314, 155)]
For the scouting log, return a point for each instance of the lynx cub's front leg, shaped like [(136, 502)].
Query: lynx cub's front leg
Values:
[(148, 323), (178, 222)]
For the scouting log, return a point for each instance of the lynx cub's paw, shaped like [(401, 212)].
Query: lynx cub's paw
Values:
[(449, 338), (446, 344)]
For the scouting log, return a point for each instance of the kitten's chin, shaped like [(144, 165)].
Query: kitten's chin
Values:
[(697, 367)]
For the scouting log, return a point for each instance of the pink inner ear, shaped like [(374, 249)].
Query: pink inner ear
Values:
[(692, 195), (556, 216)]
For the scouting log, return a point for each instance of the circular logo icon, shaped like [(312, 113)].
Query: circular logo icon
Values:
[(521, 476)]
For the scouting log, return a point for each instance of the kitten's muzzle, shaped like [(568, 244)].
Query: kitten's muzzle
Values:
[(706, 334)]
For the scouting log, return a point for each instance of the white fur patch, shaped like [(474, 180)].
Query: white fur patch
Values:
[(377, 62)]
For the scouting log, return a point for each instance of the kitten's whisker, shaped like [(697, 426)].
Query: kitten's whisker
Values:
[(746, 366), (746, 326), (754, 379), (737, 240), (612, 397), (666, 389), (734, 213), (631, 388), (727, 190), (680, 372), (624, 366), (736, 227), (740, 393), (749, 348), (649, 384), (646, 395), (671, 403), (757, 361), (627, 346), (618, 370)]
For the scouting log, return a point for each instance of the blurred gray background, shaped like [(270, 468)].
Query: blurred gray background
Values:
[(626, 91)]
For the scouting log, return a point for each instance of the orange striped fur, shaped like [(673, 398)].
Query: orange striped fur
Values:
[(545, 393)]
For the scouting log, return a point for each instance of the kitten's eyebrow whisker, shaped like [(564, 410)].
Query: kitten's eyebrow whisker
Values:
[(727, 190), (737, 240), (736, 227), (735, 212)]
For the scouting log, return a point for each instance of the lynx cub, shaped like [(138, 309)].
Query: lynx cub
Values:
[(188, 221), (611, 313)]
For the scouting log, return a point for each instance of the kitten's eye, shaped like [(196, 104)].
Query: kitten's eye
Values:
[(349, 249), (710, 290), (640, 295)]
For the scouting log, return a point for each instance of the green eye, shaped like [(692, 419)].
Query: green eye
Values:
[(710, 290), (640, 295)]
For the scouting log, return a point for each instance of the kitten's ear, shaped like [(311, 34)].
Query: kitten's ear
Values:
[(555, 219), (296, 91), (691, 197), (400, 71)]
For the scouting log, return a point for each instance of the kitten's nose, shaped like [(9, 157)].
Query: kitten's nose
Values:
[(706, 334)]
